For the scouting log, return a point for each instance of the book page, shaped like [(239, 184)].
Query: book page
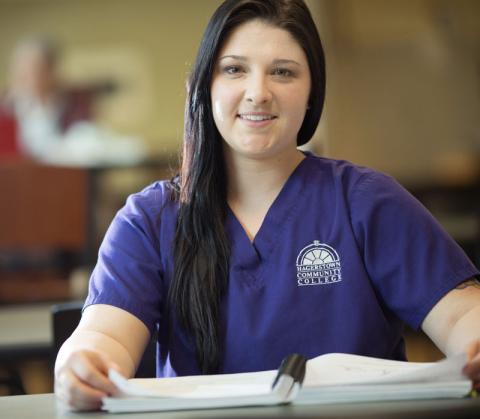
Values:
[(341, 369), (200, 386), (326, 370), (330, 378)]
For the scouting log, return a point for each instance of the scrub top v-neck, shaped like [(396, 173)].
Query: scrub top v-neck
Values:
[(344, 258), (252, 256)]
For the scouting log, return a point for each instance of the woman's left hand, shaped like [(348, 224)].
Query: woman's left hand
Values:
[(472, 368)]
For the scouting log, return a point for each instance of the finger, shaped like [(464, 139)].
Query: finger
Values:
[(92, 371), (473, 353), (84, 397), (105, 366), (76, 394), (98, 360), (472, 349), (472, 369), (104, 363)]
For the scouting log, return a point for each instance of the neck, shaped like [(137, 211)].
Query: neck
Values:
[(258, 181)]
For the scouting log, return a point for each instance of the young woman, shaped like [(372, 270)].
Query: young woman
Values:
[(256, 249)]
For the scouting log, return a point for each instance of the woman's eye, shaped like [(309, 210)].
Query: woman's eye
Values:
[(283, 72), (232, 69)]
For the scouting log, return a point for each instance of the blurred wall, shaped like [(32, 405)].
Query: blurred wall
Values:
[(403, 90)]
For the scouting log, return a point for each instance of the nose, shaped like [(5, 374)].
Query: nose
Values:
[(258, 89)]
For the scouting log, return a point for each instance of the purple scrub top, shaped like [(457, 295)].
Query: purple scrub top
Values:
[(344, 258)]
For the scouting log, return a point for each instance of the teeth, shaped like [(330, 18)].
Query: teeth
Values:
[(256, 117)]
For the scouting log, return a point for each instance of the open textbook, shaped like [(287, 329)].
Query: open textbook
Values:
[(330, 378)]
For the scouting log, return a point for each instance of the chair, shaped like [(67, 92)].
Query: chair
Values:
[(11, 379), (65, 318)]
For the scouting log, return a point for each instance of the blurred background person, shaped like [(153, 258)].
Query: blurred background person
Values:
[(36, 109), (44, 119)]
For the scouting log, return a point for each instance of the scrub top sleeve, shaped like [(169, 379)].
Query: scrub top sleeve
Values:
[(128, 274), (411, 260)]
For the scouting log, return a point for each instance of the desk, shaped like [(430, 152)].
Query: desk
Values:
[(25, 331), (26, 346), (44, 406)]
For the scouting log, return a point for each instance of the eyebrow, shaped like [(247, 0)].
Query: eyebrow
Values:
[(277, 61)]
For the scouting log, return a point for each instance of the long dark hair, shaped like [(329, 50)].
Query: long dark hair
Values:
[(201, 247)]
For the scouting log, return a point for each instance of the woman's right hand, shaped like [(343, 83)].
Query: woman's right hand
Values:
[(81, 379), (107, 337)]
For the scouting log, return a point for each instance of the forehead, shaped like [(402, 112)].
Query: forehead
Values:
[(257, 37)]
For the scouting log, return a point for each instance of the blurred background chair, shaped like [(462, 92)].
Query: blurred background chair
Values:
[(12, 381)]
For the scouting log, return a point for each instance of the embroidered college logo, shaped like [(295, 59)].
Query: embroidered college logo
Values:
[(318, 264)]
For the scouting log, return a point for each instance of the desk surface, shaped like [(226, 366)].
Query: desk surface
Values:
[(45, 406), (25, 330)]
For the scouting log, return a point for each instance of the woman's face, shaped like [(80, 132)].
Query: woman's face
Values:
[(260, 90)]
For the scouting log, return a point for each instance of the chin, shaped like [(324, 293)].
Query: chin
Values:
[(259, 154), (254, 148), (259, 148)]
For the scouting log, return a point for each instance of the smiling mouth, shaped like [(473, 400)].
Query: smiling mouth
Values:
[(256, 117)]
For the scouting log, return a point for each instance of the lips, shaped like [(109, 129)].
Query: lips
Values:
[(256, 116)]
